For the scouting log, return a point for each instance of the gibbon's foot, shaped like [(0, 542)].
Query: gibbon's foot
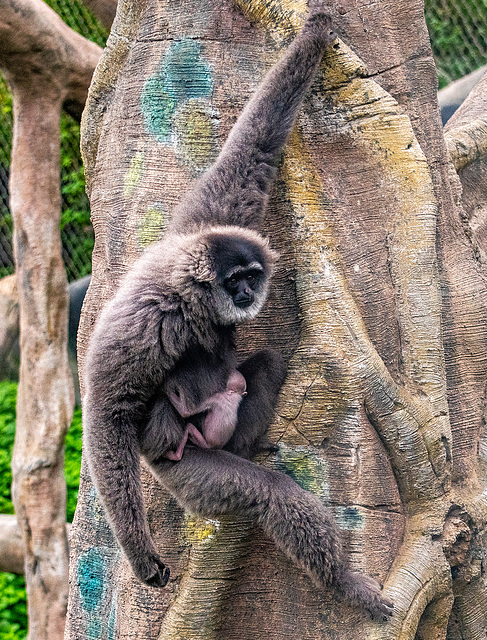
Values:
[(196, 437), (364, 591), (151, 570)]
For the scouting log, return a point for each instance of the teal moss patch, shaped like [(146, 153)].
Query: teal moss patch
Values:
[(98, 598), (305, 467), (187, 74), (349, 518), (92, 571), (175, 104), (158, 109), (182, 75), (94, 629)]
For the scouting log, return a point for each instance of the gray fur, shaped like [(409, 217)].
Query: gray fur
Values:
[(172, 318)]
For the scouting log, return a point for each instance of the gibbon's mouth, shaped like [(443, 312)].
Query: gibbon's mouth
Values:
[(243, 304)]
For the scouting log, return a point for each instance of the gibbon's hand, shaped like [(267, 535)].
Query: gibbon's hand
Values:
[(151, 570), (320, 19)]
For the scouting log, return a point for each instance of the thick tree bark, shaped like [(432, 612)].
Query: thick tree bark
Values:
[(380, 302), (48, 66)]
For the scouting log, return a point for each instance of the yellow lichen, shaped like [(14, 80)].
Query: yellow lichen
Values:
[(198, 531), (133, 175)]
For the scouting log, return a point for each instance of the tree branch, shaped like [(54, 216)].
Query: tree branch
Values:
[(38, 47), (104, 10)]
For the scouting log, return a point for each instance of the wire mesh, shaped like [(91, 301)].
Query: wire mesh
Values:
[(6, 123), (458, 31), (76, 230)]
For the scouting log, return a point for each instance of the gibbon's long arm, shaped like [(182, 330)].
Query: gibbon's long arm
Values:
[(122, 354), (235, 190)]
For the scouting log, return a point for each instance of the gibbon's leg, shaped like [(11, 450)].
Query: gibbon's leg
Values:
[(211, 483), (264, 373), (235, 190)]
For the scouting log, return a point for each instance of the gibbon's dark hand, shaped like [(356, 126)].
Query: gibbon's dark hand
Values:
[(151, 570), (319, 19)]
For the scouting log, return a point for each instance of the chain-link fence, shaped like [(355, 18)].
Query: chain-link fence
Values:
[(76, 231), (458, 30), (6, 257)]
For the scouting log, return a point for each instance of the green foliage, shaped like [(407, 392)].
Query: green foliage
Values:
[(72, 464), (8, 398), (76, 231), (77, 16), (13, 608), (458, 33), (6, 115)]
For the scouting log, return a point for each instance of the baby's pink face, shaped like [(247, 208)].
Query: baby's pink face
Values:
[(236, 383)]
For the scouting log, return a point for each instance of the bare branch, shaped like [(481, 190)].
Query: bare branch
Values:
[(11, 545), (38, 48)]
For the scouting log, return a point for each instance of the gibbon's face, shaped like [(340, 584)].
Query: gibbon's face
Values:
[(242, 282)]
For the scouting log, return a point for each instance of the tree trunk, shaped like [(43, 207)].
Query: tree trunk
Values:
[(47, 66), (380, 302)]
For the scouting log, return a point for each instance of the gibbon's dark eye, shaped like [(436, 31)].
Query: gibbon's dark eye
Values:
[(231, 284), (253, 278)]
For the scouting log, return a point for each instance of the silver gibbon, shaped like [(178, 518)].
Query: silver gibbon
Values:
[(173, 320)]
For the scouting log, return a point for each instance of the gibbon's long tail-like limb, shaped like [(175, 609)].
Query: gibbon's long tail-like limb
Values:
[(296, 520)]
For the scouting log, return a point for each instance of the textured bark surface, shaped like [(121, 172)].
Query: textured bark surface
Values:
[(48, 66), (379, 301)]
